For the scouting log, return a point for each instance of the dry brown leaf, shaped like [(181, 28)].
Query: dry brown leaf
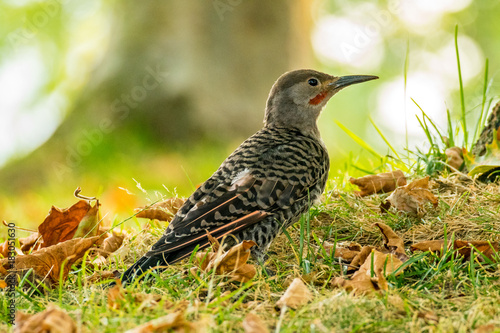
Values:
[(489, 249), (4, 250), (51, 320), (254, 324), (375, 264), (346, 251), (61, 224), (363, 282), (203, 258), (489, 328), (295, 296), (163, 210), (48, 261), (454, 157), (380, 183), (103, 275), (232, 259), (432, 246), (360, 258), (3, 284), (392, 241), (88, 226), (27, 243), (174, 321), (429, 317), (118, 296), (112, 243), (244, 273), (109, 245), (232, 262), (413, 197)]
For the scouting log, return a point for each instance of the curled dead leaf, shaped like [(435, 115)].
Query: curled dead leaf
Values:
[(454, 157), (380, 183), (6, 248), (52, 319), (296, 295), (254, 324), (232, 262), (346, 251), (112, 243), (392, 242), (429, 317), (89, 225), (487, 248), (163, 210), (412, 198), (50, 260), (32, 242), (103, 275), (370, 278), (174, 321), (360, 258), (118, 296), (62, 224)]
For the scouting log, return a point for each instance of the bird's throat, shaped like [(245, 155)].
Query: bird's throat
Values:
[(318, 98)]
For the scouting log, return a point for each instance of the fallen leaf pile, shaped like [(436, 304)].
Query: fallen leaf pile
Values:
[(162, 211), (118, 297), (412, 198), (231, 262), (51, 319), (372, 265), (62, 240), (173, 322), (295, 296), (380, 183)]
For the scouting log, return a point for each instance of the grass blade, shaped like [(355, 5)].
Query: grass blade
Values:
[(406, 65), (385, 139), (480, 124), (451, 140), (462, 99), (358, 140)]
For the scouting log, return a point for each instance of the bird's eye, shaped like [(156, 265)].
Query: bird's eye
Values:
[(312, 82)]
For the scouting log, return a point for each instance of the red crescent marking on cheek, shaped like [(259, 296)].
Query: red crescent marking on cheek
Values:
[(318, 98)]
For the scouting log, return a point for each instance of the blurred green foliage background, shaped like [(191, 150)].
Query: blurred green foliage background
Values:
[(101, 93)]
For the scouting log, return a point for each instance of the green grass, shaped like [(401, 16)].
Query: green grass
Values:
[(461, 295)]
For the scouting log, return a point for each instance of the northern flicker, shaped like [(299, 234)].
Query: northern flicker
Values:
[(266, 184)]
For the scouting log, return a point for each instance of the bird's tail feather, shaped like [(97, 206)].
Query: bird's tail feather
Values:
[(141, 266)]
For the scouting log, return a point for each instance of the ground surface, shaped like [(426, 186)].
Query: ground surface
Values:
[(431, 295)]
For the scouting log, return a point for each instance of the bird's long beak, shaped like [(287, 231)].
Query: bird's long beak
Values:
[(345, 81)]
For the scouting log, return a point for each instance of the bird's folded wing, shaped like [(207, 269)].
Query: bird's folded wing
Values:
[(246, 202)]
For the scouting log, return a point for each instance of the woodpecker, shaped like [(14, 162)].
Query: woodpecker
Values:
[(266, 184)]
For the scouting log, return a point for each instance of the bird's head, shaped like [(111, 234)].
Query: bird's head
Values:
[(297, 98)]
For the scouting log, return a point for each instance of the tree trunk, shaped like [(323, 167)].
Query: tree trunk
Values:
[(176, 72)]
